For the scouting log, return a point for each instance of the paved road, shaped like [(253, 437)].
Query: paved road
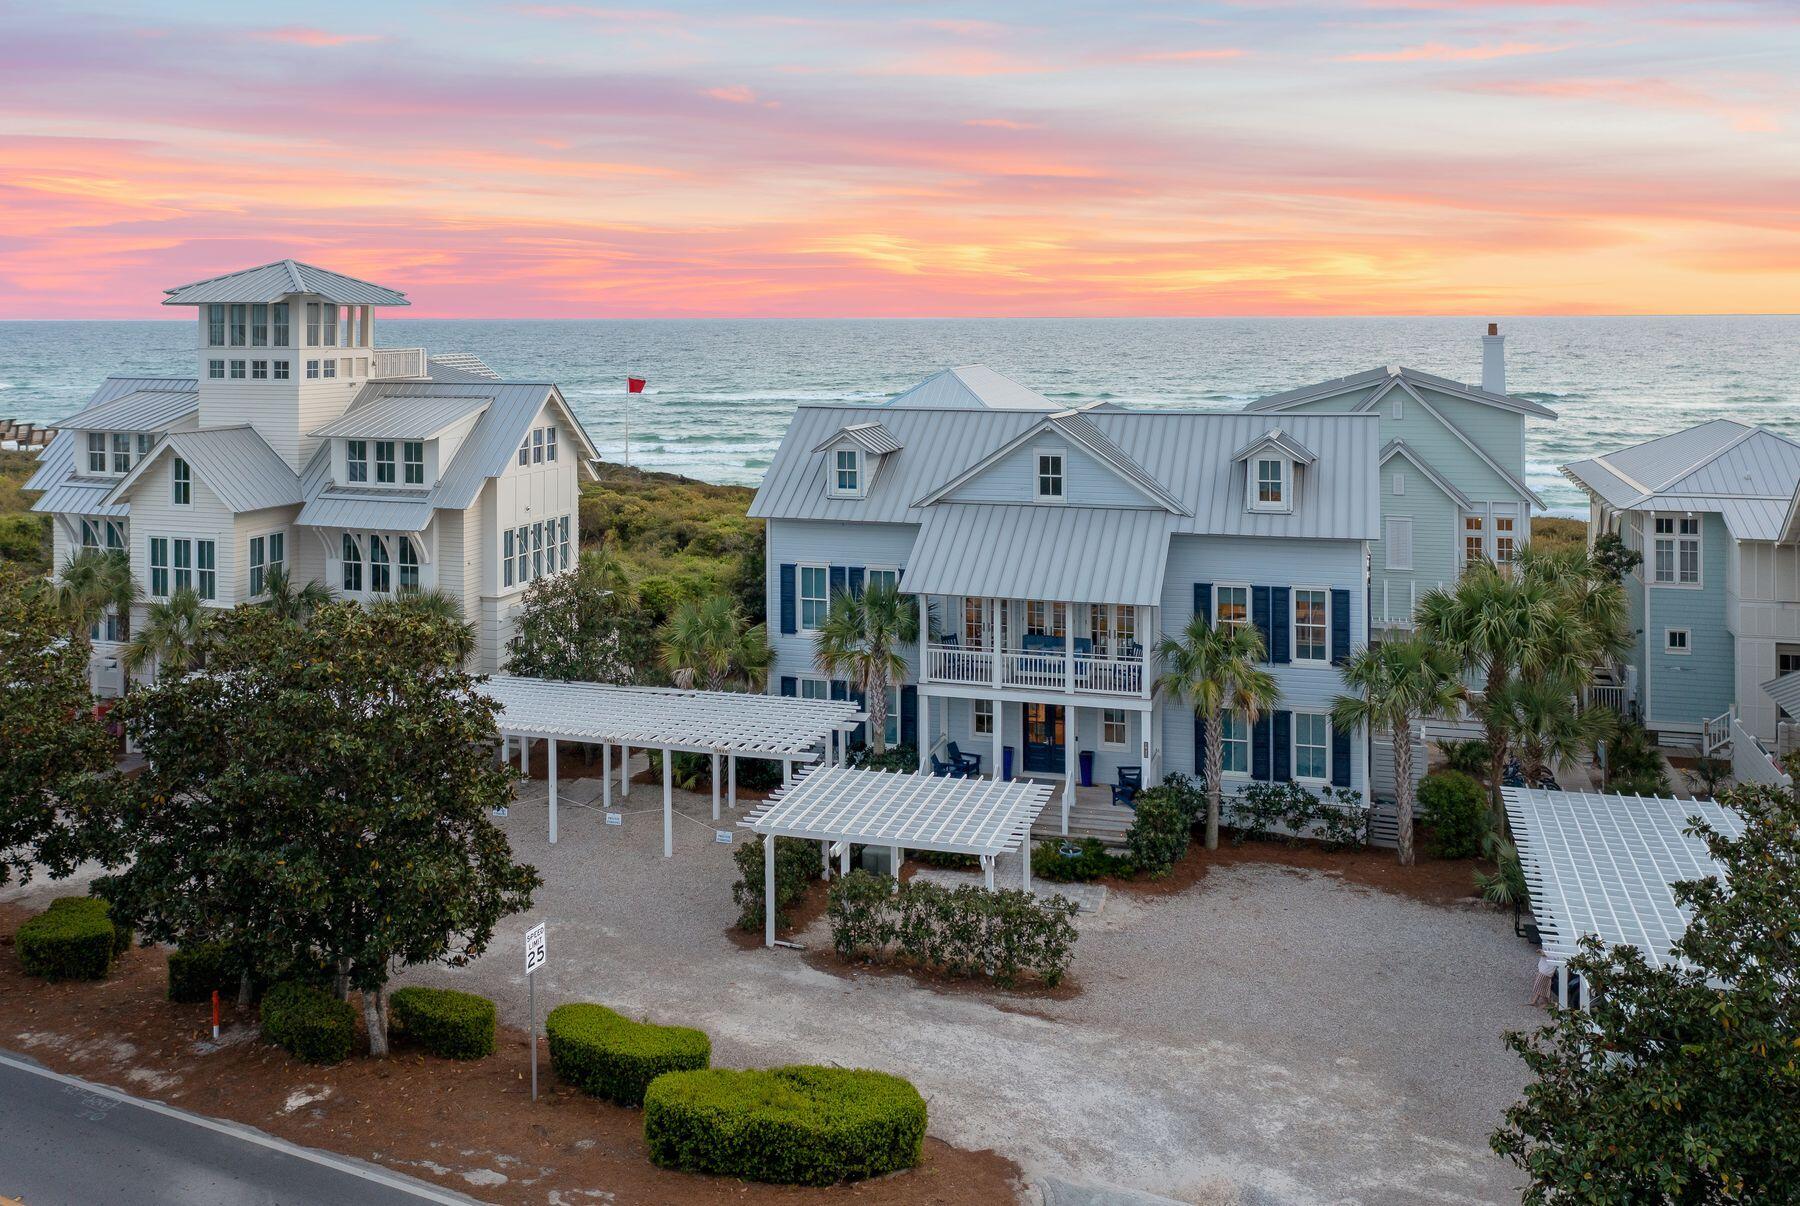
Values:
[(69, 1143)]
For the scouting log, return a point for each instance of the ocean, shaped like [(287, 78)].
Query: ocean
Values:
[(720, 391)]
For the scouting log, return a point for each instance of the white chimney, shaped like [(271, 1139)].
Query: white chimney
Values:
[(1493, 360)]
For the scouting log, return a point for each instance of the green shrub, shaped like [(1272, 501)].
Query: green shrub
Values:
[(196, 971), (903, 758), (1163, 826), (1093, 862), (455, 1025), (966, 931), (612, 1057), (1641, 785), (1291, 813), (1455, 807), (308, 1023), (73, 939), (797, 864), (789, 1126), (1469, 757), (1634, 763), (946, 861)]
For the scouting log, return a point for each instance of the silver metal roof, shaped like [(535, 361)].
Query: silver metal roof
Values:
[(1600, 863), (1375, 377), (1188, 452), (1785, 691), (469, 365), (1280, 440), (272, 282), (972, 387), (366, 513), (234, 462), (58, 472), (983, 817), (1748, 475), (403, 418), (1078, 554), (140, 410), (873, 437)]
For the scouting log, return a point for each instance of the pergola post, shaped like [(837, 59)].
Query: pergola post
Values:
[(715, 784), (987, 871), (606, 774), (825, 860), (525, 755), (787, 772), (624, 771), (768, 889), (668, 761), (553, 791), (844, 858), (1025, 861), (505, 750), (731, 778), (899, 856)]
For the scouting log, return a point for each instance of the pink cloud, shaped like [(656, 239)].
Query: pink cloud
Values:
[(735, 94), (1001, 123), (1189, 56), (1441, 53), (300, 35), (1646, 93), (961, 61)]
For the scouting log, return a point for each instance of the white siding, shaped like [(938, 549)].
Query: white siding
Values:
[(153, 513)]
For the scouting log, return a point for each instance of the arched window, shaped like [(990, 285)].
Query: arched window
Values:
[(352, 564)]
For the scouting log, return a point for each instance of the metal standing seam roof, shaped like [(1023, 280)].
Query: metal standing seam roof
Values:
[(1081, 554), (466, 363), (1747, 475), (140, 410), (272, 282), (873, 437), (984, 817), (362, 512), (234, 462), (407, 418), (1320, 390), (1785, 691), (1275, 437), (972, 386), (698, 722), (1189, 451), (1602, 864), (66, 491)]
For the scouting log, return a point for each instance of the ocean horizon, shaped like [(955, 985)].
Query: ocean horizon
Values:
[(721, 390)]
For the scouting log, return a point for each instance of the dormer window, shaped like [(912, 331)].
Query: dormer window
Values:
[(846, 473), (384, 462), (415, 462), (1271, 483), (356, 460), (96, 452), (1050, 476)]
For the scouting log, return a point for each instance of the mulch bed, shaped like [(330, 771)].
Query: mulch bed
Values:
[(1432, 881), (468, 1126)]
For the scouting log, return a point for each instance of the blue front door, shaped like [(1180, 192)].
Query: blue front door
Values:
[(1044, 739)]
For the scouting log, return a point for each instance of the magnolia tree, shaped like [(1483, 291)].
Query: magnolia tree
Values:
[(317, 799), (1680, 1084), (583, 627), (53, 751)]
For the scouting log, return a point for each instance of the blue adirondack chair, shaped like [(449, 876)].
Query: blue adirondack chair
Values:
[(970, 764), (1131, 782), (949, 770)]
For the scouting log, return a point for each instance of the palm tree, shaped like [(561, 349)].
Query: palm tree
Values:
[(294, 605), (173, 636), (1545, 724), (1213, 670), (440, 608), (708, 643), (863, 639), (93, 582), (1397, 682)]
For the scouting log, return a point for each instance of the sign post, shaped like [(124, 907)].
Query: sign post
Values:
[(535, 954)]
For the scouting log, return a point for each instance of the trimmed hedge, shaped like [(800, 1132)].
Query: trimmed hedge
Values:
[(196, 971), (455, 1025), (308, 1023), (608, 1055), (966, 931), (790, 1126), (73, 939)]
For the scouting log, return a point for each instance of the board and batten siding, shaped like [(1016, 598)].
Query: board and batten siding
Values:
[(820, 542)]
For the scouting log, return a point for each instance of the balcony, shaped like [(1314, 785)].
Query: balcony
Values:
[(1039, 670), (398, 364)]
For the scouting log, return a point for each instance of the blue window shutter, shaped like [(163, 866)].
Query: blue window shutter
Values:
[(1259, 748), (909, 715), (856, 581), (1259, 614), (1203, 601), (1282, 747), (787, 600), (1340, 757), (790, 685), (1200, 767), (839, 581), (1280, 603), (1340, 627)]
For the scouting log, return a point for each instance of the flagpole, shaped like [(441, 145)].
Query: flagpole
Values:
[(628, 426)]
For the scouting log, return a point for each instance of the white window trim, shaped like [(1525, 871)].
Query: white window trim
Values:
[(1675, 539), (1037, 473), (1232, 776), (975, 729), (175, 481), (1294, 749), (800, 681), (832, 489), (1218, 598), (1687, 635), (1253, 482), (264, 537), (869, 572), (800, 595), (1294, 627), (1125, 723)]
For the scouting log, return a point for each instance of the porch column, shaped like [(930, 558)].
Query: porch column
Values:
[(553, 791), (999, 734), (899, 855), (1069, 766), (844, 858), (505, 750), (787, 772), (668, 761), (1025, 862), (606, 774), (525, 755), (992, 607), (715, 784), (1147, 743), (731, 781), (825, 861), (1068, 648), (768, 889), (924, 732)]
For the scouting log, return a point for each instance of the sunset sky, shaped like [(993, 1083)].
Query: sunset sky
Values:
[(726, 159)]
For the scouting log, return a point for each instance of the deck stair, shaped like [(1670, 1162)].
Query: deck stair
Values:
[(1089, 816)]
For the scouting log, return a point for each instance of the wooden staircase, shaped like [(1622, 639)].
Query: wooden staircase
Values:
[(1089, 816)]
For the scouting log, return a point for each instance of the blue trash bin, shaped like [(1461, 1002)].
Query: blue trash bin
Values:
[(1086, 758), (1006, 763)]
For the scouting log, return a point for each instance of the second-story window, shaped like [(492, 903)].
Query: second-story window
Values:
[(238, 323), (549, 443), (525, 451), (215, 369), (847, 472), (1231, 606), (356, 460), (1050, 475), (537, 446), (183, 483), (121, 452), (1310, 625), (329, 331), (415, 462), (312, 324), (815, 597), (278, 317), (1677, 550), (237, 370), (384, 462), (259, 326), (1271, 486), (259, 370), (215, 325), (96, 452)]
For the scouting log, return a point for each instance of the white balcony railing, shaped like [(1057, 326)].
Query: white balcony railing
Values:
[(1035, 670), (399, 363)]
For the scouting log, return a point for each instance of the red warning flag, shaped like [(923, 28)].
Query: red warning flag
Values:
[(634, 384)]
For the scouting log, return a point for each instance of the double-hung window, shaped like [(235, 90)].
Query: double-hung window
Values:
[(121, 452), (1231, 606), (1271, 485), (815, 597), (537, 446), (312, 324), (847, 472), (414, 457), (278, 314), (182, 483), (891, 730), (259, 565), (215, 326), (96, 452), (384, 462), (883, 579), (379, 581), (356, 460), (184, 565), (563, 539), (523, 561), (237, 326), (549, 443), (537, 551), (259, 326), (1311, 625), (1312, 746), (206, 568), (1234, 742), (409, 566), (984, 718), (1112, 728), (506, 558), (1050, 475), (159, 567), (1677, 549), (352, 559)]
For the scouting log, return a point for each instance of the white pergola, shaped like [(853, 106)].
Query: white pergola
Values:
[(1601, 863), (836, 804), (727, 725)]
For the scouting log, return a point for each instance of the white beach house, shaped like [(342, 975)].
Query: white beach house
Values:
[(298, 443)]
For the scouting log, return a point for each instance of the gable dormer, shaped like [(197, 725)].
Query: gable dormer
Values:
[(1273, 465), (854, 456), (1064, 459), (400, 442)]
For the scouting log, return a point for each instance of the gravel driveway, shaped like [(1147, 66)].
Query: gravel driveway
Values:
[(1267, 1035)]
